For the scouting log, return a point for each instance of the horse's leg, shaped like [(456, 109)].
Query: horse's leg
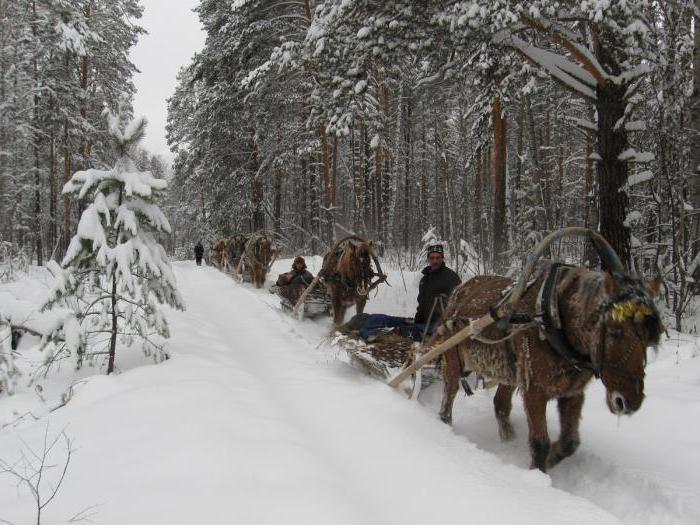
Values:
[(569, 419), (502, 405), (453, 371), (536, 410), (360, 303), (338, 307), (341, 313)]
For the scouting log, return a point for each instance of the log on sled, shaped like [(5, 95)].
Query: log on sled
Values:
[(383, 356)]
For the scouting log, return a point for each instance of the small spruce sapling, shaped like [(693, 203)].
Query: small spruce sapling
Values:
[(115, 274)]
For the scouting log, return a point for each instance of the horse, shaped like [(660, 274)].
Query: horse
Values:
[(217, 253), (593, 324), (258, 256), (233, 251), (347, 274)]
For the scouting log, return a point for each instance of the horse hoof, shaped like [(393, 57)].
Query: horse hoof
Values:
[(506, 432), (541, 468), (446, 419)]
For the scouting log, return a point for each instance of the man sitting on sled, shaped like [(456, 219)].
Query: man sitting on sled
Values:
[(435, 288), (292, 284)]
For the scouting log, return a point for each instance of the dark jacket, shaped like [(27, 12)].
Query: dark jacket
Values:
[(198, 250), (439, 283), (295, 278)]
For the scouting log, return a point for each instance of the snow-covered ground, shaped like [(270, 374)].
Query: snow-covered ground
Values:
[(255, 420)]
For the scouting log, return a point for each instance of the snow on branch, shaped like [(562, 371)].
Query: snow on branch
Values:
[(583, 123), (638, 178), (573, 77), (636, 156), (580, 53)]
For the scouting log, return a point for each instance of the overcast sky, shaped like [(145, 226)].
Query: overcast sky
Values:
[(174, 35)]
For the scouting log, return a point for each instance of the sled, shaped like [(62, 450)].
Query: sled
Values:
[(385, 355), (317, 304)]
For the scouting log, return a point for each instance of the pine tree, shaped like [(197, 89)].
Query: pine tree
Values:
[(115, 273)]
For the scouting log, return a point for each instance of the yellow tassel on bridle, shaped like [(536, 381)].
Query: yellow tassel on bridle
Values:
[(624, 310)]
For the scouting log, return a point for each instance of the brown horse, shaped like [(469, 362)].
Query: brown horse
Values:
[(233, 251), (347, 273), (258, 256), (606, 322), (217, 253)]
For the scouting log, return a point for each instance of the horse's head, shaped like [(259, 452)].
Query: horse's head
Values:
[(611, 318), (355, 264), (265, 251), (240, 244), (629, 324)]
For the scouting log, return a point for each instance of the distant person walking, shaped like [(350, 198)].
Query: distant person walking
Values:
[(198, 253)]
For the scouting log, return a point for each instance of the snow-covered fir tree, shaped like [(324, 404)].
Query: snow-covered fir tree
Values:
[(116, 275)]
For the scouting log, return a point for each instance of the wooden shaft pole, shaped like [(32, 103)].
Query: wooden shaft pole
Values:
[(308, 290)]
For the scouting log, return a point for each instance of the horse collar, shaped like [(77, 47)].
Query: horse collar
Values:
[(551, 326)]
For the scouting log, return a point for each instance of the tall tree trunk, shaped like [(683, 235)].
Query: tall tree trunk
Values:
[(356, 182), (477, 203), (539, 219), (423, 173), (547, 172), (332, 211), (325, 180), (114, 312), (500, 140), (612, 141), (113, 335), (305, 209), (694, 176), (256, 187), (334, 172), (438, 209), (515, 208), (35, 145), (277, 189), (67, 172), (377, 186), (612, 172), (408, 162), (84, 72), (52, 191)]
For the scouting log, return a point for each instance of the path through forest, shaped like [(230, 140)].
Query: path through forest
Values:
[(255, 420)]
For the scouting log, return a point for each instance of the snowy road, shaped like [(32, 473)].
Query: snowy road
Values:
[(253, 422)]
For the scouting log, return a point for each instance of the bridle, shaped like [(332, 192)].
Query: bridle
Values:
[(552, 327), (365, 284)]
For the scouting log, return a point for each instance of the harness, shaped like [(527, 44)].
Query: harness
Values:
[(549, 321), (551, 325), (362, 285), (552, 328)]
